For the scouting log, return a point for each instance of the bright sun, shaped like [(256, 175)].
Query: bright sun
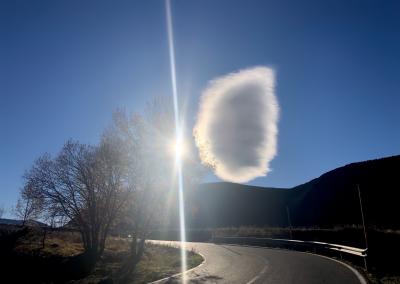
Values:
[(178, 149)]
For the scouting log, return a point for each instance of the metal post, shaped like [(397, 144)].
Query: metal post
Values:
[(289, 222), (363, 223)]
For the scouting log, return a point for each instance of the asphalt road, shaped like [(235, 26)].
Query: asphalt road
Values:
[(249, 265)]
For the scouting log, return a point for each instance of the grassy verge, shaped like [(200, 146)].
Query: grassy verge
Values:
[(373, 279), (162, 261), (158, 261), (62, 244)]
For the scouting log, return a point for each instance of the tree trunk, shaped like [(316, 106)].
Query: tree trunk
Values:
[(44, 237), (125, 272)]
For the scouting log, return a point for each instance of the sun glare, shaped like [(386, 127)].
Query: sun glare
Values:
[(177, 148)]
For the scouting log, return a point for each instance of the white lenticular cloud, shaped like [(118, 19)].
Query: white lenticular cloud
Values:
[(236, 129)]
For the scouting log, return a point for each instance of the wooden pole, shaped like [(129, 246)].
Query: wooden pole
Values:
[(289, 222), (363, 223)]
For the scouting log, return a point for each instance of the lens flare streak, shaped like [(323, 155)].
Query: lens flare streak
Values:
[(179, 139)]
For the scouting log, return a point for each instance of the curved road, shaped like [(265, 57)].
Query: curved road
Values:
[(249, 265)]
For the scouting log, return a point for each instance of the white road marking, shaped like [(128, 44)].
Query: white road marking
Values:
[(254, 279)]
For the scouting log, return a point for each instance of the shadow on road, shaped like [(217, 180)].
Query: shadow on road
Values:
[(196, 280)]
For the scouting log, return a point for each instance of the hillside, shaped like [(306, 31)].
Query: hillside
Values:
[(333, 197), (328, 200), (228, 204), (13, 222)]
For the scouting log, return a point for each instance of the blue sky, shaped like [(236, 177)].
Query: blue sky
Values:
[(66, 65)]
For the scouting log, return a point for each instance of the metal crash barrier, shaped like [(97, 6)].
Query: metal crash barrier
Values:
[(294, 244)]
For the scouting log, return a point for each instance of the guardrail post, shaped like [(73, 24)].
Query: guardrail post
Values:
[(365, 263), (363, 223), (289, 222)]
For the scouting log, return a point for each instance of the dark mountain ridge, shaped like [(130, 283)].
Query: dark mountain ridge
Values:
[(14, 222), (329, 200)]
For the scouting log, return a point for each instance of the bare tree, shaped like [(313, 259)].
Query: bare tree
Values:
[(2, 211), (53, 219), (129, 177), (146, 142), (132, 136), (28, 206), (82, 185)]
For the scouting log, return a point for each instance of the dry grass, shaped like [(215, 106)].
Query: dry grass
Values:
[(275, 232), (267, 232), (383, 280), (157, 262), (390, 280), (64, 244), (162, 261), (117, 244)]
